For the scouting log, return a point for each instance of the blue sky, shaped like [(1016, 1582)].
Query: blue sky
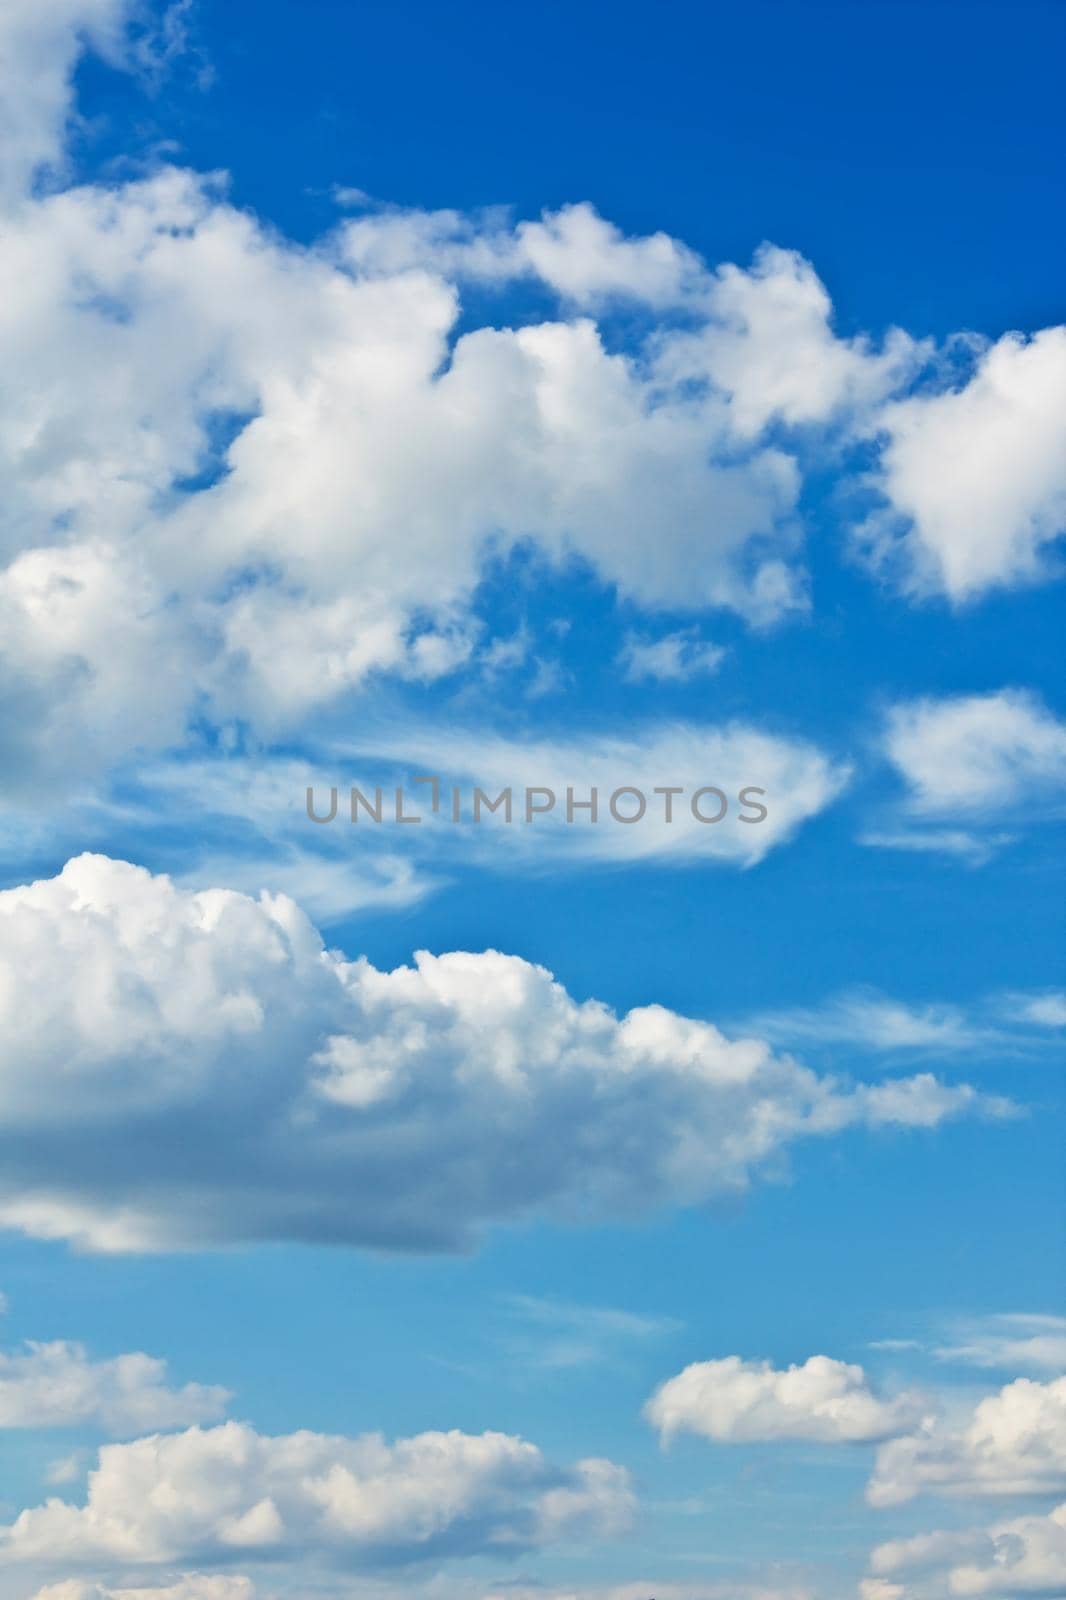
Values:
[(581, 396)]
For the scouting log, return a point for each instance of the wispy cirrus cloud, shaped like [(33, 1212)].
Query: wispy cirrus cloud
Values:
[(1012, 1025), (243, 819), (1012, 1341), (558, 1334)]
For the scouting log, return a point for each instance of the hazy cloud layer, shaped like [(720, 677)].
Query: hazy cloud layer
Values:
[(865, 1019)]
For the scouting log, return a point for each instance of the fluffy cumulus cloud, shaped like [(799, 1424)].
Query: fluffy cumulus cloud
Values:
[(57, 1385), (243, 476), (585, 259), (1025, 1555), (734, 1401), (207, 1495), (270, 476), (1013, 1443), (975, 475), (194, 1066), (769, 346)]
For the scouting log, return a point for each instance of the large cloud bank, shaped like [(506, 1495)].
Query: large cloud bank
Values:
[(242, 475), (183, 1068)]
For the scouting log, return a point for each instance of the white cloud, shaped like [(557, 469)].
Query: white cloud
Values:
[(253, 831), (1014, 1443), (587, 259), (873, 1021), (341, 531), (574, 251), (670, 658), (975, 849), (1013, 1340), (1026, 1555), (205, 1495), (38, 48), (65, 1469), (769, 346), (1019, 1026), (329, 885), (976, 475), (233, 1080), (193, 1586), (243, 477), (85, 633), (734, 1401), (797, 778), (977, 754), (1046, 1010), (972, 763), (57, 1385), (276, 473)]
